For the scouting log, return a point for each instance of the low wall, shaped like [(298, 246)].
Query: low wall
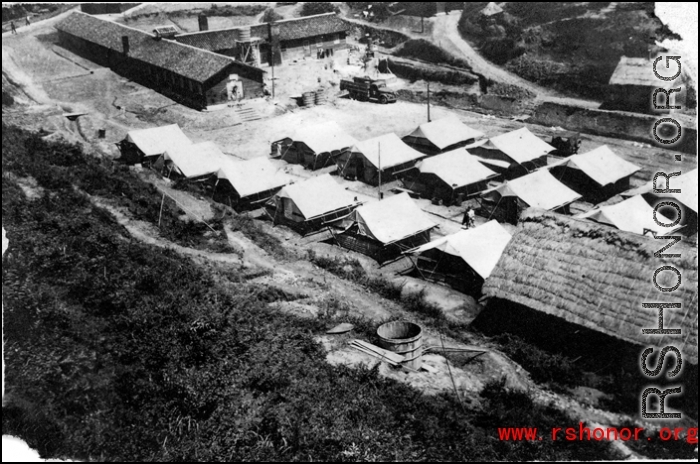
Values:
[(630, 126)]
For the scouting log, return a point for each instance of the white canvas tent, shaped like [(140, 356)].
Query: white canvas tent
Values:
[(314, 145), (441, 134), (256, 179), (196, 160), (602, 165), (632, 215), (155, 141), (480, 247), (539, 189), (521, 148), (325, 137), (319, 197), (387, 153), (687, 184), (457, 168), (392, 219)]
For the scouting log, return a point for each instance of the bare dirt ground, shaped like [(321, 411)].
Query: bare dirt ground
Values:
[(58, 82)]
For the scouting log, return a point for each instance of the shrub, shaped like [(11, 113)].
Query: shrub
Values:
[(7, 99), (271, 16), (543, 366), (315, 8), (424, 50)]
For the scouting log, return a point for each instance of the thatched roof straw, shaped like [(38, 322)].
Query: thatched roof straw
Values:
[(598, 277)]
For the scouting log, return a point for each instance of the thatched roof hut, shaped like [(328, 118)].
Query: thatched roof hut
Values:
[(597, 277)]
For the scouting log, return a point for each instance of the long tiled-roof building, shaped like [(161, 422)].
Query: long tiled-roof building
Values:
[(194, 77), (315, 37)]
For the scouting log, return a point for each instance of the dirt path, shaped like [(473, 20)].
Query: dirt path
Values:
[(446, 35)]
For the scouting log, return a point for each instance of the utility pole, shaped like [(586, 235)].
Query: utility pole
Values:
[(428, 101), (379, 155)]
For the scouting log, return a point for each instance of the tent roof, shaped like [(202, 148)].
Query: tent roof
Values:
[(456, 168), (317, 196), (539, 189), (446, 132), (394, 151), (519, 145), (196, 160), (631, 215), (687, 183), (253, 176), (324, 137), (392, 219), (155, 141), (602, 165), (480, 247)]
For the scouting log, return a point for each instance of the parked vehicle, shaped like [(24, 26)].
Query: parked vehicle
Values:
[(367, 89), (566, 144)]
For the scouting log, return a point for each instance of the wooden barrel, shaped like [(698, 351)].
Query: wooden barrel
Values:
[(321, 96), (308, 98), (243, 34), (404, 338)]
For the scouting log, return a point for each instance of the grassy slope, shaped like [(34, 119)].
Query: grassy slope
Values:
[(571, 47), (117, 350)]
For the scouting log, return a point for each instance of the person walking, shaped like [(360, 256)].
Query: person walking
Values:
[(27, 23), (14, 28), (468, 219)]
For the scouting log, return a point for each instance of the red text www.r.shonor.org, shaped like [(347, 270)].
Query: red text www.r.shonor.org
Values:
[(582, 433)]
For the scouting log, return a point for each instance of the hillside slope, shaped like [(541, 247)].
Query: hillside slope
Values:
[(571, 47)]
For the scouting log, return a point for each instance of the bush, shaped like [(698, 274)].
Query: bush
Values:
[(423, 50), (270, 16), (7, 99), (315, 8), (62, 167), (543, 366)]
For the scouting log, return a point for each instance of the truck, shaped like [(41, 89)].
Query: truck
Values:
[(367, 89)]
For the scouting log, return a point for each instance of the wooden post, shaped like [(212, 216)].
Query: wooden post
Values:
[(379, 156), (428, 101), (160, 215)]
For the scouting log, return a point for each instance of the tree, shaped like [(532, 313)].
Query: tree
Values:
[(270, 16), (315, 8)]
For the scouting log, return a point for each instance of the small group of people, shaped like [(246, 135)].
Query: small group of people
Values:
[(13, 26)]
